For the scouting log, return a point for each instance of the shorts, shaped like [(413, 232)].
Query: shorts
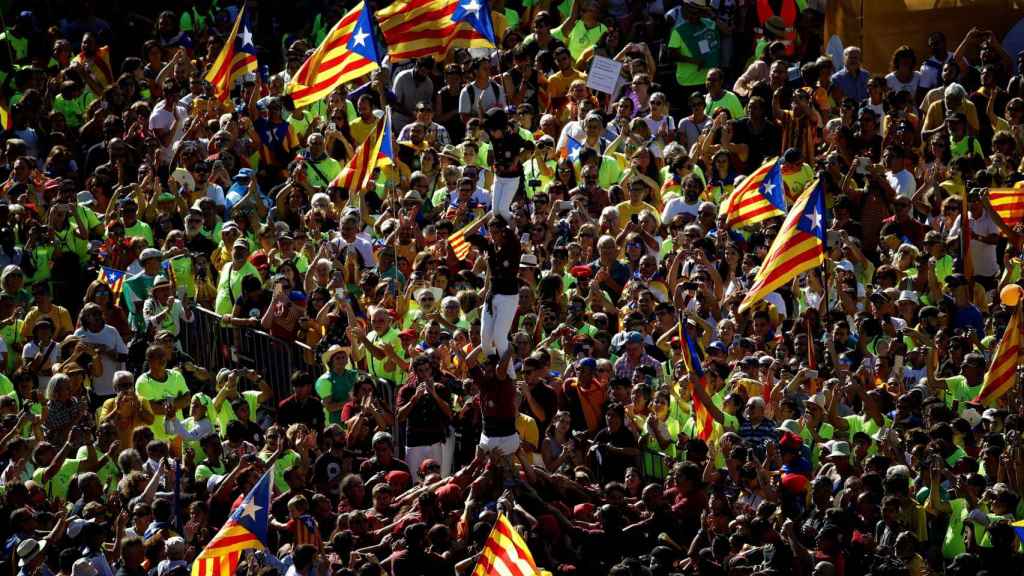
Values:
[(505, 445)]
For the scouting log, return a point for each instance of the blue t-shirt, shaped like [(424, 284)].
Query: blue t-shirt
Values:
[(853, 86), (969, 316)]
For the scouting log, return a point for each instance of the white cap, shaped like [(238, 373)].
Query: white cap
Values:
[(844, 265), (76, 526), (972, 417), (908, 296), (83, 567)]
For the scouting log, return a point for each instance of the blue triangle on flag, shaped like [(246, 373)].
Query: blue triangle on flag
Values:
[(243, 41), (812, 221), (385, 144), (365, 39), (476, 13), (773, 188)]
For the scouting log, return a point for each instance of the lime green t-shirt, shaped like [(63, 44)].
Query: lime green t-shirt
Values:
[(703, 37), (283, 464), (153, 390), (953, 541), (958, 390), (580, 37), (140, 230), (376, 365), (109, 474), (965, 146), (204, 471), (226, 414), (729, 101), (861, 423), (229, 286), (57, 487)]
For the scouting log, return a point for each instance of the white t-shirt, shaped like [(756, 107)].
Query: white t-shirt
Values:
[(111, 339), (363, 246), (931, 71), (902, 182), (986, 262), (655, 125), (678, 205), (895, 85), (216, 193), (162, 118), (29, 354), (472, 99)]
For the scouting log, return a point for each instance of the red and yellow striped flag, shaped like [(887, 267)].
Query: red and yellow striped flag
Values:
[(420, 28), (1002, 374), (236, 59), (458, 240), (758, 197), (798, 247), (349, 51), (1008, 203), (375, 152), (704, 423), (505, 553), (246, 529)]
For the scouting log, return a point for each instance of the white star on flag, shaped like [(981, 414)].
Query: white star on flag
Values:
[(246, 37), (250, 508), (359, 37), (768, 188), (815, 219), (473, 7)]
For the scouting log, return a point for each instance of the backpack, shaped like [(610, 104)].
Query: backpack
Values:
[(494, 89)]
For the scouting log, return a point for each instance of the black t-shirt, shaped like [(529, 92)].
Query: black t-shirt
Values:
[(255, 307), (372, 466), (505, 154), (327, 471), (308, 411), (426, 423), (502, 262), (762, 145), (547, 399), (613, 466)]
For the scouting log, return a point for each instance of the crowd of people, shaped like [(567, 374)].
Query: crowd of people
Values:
[(499, 322)]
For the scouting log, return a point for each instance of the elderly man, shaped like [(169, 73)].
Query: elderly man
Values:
[(321, 169), (954, 99), (852, 80)]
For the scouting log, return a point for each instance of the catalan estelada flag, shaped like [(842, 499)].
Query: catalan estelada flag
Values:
[(350, 50), (458, 239), (245, 529), (758, 197), (1018, 527), (421, 28), (375, 152), (798, 247), (1002, 374), (691, 359), (236, 58), (1008, 203), (505, 553), (571, 150), (113, 278)]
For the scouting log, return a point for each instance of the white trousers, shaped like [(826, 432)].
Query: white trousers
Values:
[(415, 455), (504, 191), (496, 323)]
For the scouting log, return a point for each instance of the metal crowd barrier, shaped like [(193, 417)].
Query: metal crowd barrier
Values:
[(214, 346)]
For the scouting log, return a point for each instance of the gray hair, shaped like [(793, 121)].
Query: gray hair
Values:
[(120, 377), (55, 381), (954, 90)]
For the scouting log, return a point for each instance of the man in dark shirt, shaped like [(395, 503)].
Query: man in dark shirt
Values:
[(757, 134), (383, 457), (539, 401), (500, 305), (425, 406), (302, 406), (506, 151), (498, 406)]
